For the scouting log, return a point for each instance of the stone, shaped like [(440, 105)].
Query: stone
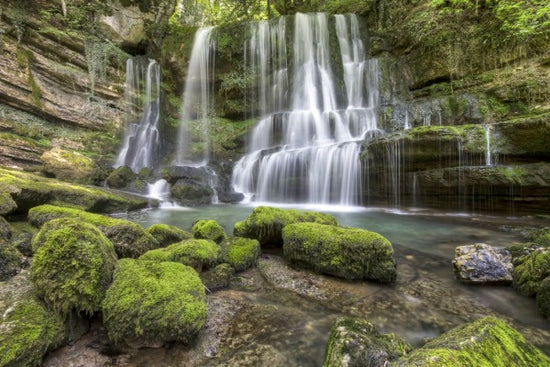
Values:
[(5, 229), (151, 303), (208, 230), (166, 234), (531, 270), (68, 165), (121, 177), (482, 264), (349, 253), (7, 205), (11, 261), (218, 277), (125, 27), (543, 297), (355, 341), (191, 193), (240, 253), (199, 254)]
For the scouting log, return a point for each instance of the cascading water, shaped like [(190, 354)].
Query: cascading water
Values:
[(141, 138), (311, 150), (196, 103)]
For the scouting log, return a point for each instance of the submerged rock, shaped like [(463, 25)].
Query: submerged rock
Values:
[(240, 253), (481, 263), (166, 234), (485, 342), (198, 254), (355, 341), (266, 223), (350, 253), (73, 265), (208, 230), (151, 303), (129, 239), (531, 271)]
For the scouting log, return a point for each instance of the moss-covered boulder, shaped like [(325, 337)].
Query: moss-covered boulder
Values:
[(531, 271), (355, 341), (350, 253), (150, 303), (266, 223), (191, 193), (540, 236), (166, 234), (69, 165), (217, 277), (208, 230), (129, 239), (121, 177), (72, 266), (5, 229), (28, 190), (199, 254), (7, 205), (484, 342), (543, 297), (240, 253), (11, 261)]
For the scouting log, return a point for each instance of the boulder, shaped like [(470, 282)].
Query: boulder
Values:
[(152, 303), (530, 271), (482, 264), (166, 234), (240, 253), (68, 165), (485, 342), (208, 230), (5, 229), (355, 341), (125, 27), (266, 223), (11, 261), (231, 197), (199, 254), (217, 277), (121, 177), (7, 205), (543, 297), (190, 193), (72, 266), (129, 239), (350, 253)]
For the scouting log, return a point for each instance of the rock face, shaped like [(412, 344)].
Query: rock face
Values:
[(151, 303), (356, 342), (349, 253), (69, 166), (481, 263), (485, 342), (266, 223)]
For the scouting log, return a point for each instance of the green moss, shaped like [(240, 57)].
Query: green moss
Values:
[(150, 303), (209, 230), (540, 236), (218, 277), (485, 342), (73, 265), (7, 205), (241, 253), (349, 253), (167, 235), (5, 229), (543, 297), (266, 223), (121, 177), (129, 239), (36, 92), (530, 271), (29, 331), (199, 254), (10, 261), (355, 341)]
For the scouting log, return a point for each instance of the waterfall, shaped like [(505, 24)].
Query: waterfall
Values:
[(307, 148), (488, 145), (159, 190), (196, 104), (140, 142)]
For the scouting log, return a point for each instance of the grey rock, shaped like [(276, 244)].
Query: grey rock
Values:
[(481, 263)]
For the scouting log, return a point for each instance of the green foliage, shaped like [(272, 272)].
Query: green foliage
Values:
[(167, 235), (72, 266), (150, 303), (350, 253), (266, 223), (199, 254), (219, 12), (209, 230), (530, 270), (240, 253)]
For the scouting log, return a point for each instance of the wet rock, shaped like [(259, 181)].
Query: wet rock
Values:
[(486, 342), (356, 342), (198, 174), (11, 261), (240, 253), (23, 243), (166, 234), (69, 166), (218, 277), (350, 253), (481, 264), (208, 230), (188, 192), (231, 197), (5, 229), (531, 270), (125, 27), (121, 177), (543, 297)]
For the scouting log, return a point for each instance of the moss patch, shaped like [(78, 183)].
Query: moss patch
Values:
[(530, 270), (543, 297), (150, 303), (121, 177), (208, 230), (240, 253), (199, 254), (218, 277), (73, 265), (166, 234)]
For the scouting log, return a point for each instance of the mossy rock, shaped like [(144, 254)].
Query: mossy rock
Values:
[(217, 277), (350, 253), (189, 193), (530, 271), (5, 229), (208, 230), (166, 234), (69, 166), (241, 253), (72, 266), (7, 205), (266, 223), (355, 341), (129, 239), (150, 303), (199, 254), (28, 190), (121, 177), (485, 342), (540, 236), (543, 297), (11, 261)]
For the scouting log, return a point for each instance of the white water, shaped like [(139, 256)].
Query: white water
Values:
[(159, 190), (310, 150), (196, 102), (141, 139), (488, 146)]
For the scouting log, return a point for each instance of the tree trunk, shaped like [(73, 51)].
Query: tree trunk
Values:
[(64, 7)]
